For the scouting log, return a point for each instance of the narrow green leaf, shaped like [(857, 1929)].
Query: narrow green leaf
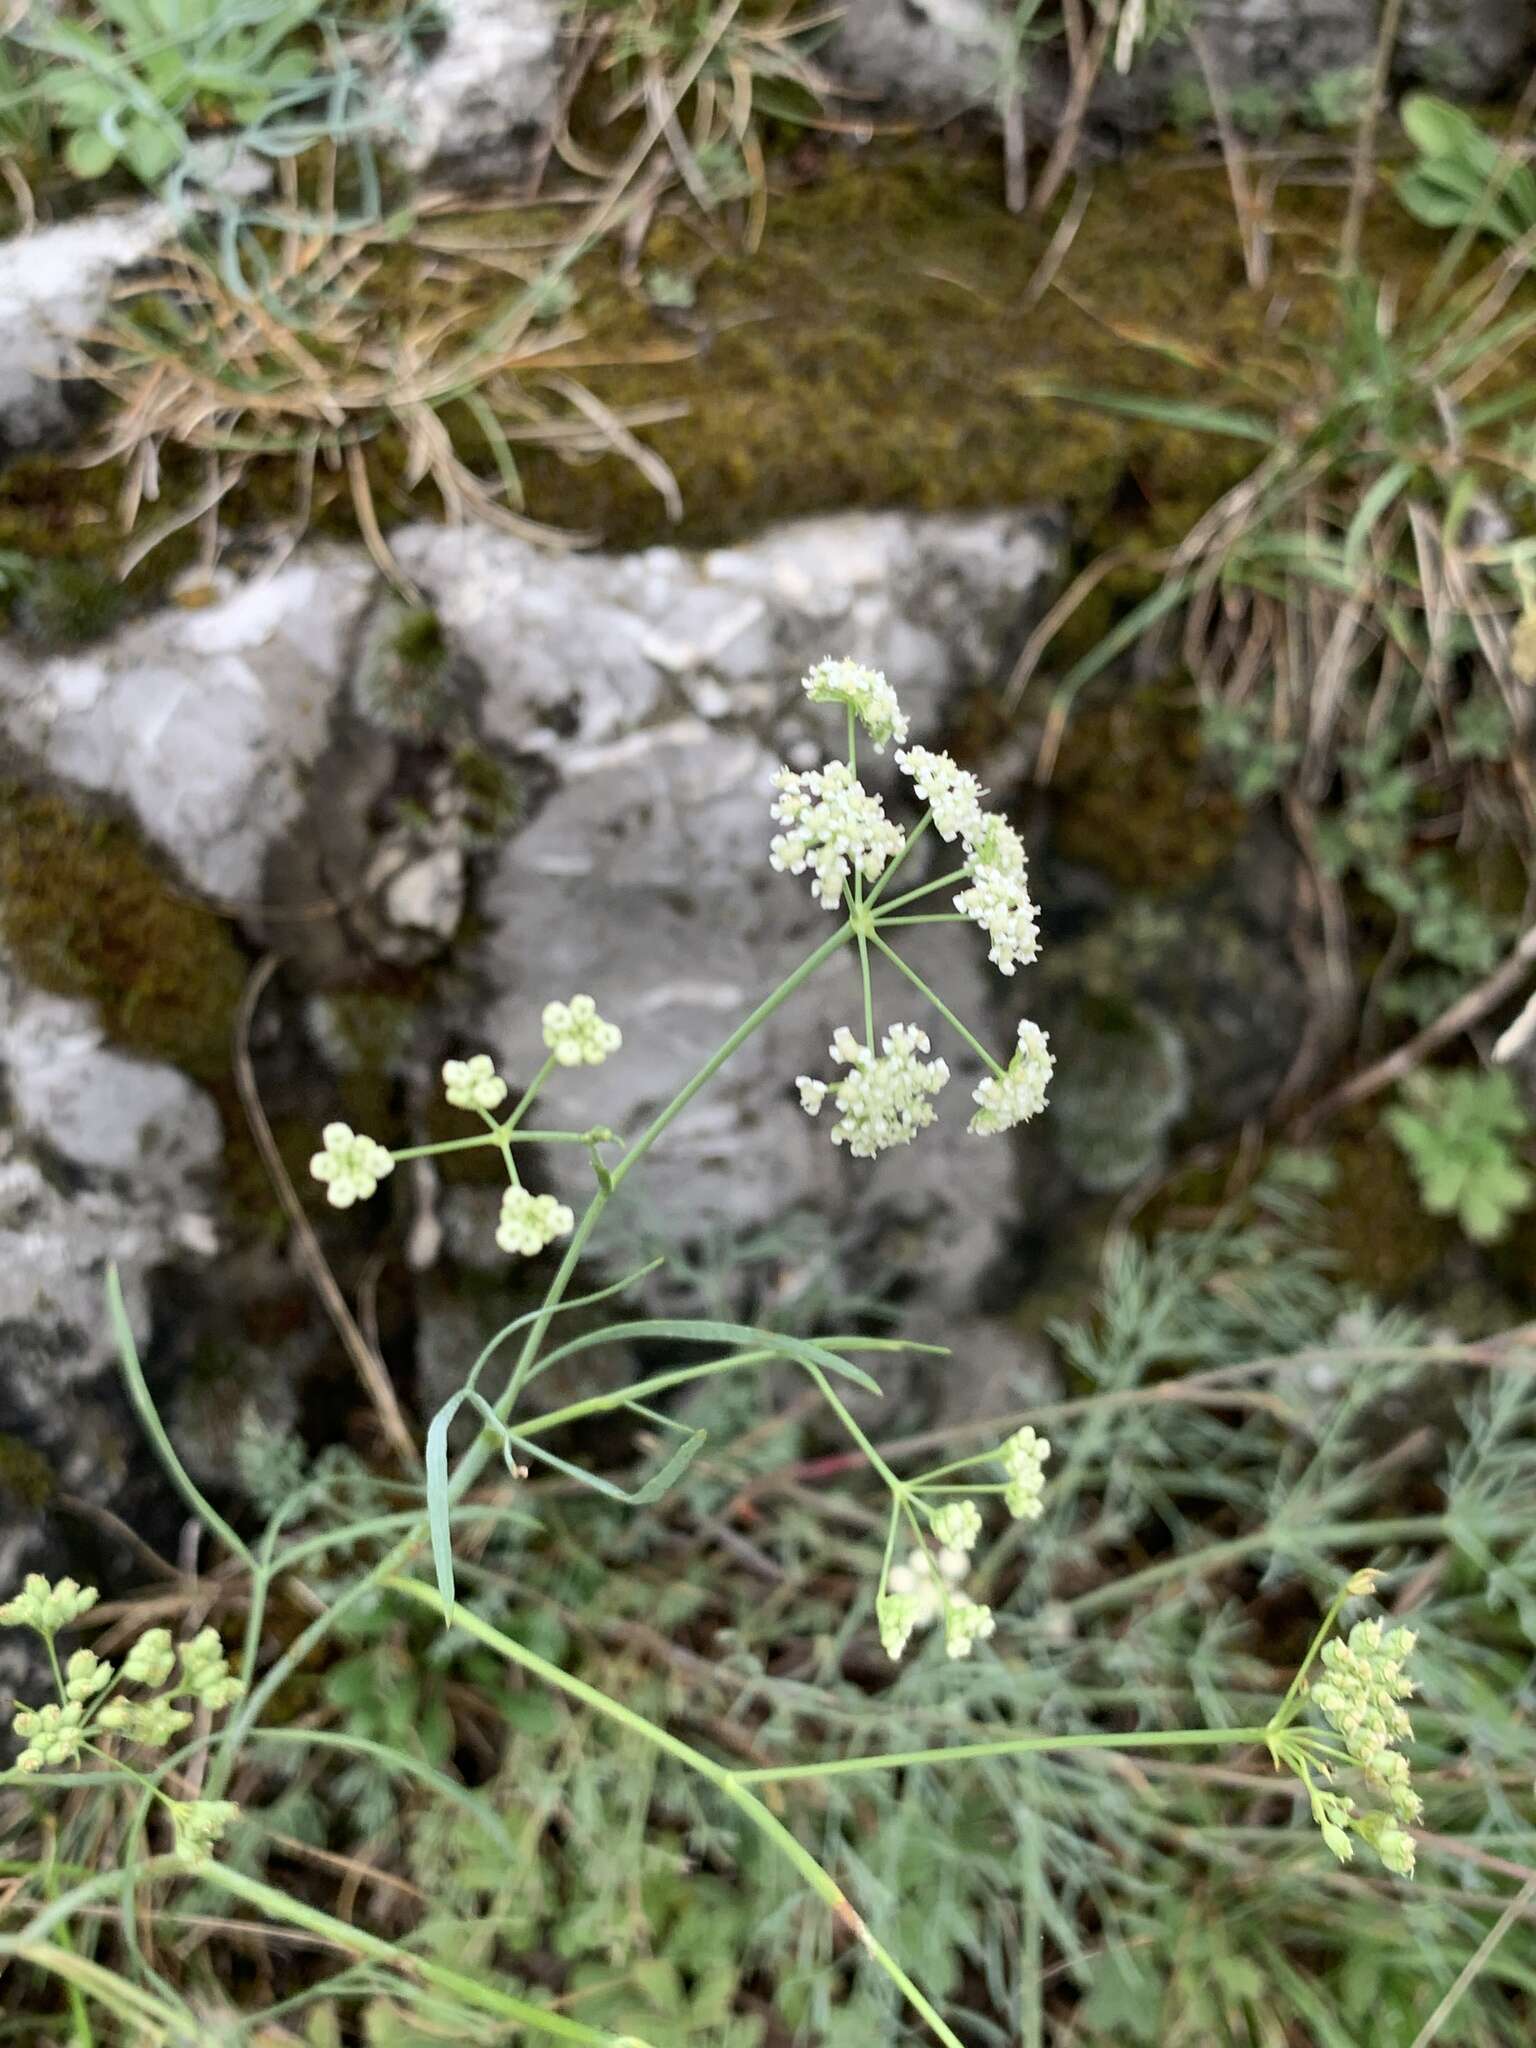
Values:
[(154, 1428)]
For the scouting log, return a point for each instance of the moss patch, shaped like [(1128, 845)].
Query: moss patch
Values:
[(89, 913), (26, 1478), (1134, 797), (1388, 1244), (877, 350)]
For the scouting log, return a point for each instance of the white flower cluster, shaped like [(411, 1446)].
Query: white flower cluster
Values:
[(1023, 1459), (951, 792), (998, 898), (1020, 1093), (925, 1590), (866, 693), (832, 826), (351, 1166), (529, 1222), (577, 1036), (474, 1083), (885, 1098)]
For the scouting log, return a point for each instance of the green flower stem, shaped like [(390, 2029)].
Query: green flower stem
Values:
[(1018, 1745), (502, 1136), (943, 1008), (912, 839), (341, 1934), (394, 1525), (1290, 1705), (937, 917), (913, 895), (737, 1039), (869, 993), (598, 1404), (840, 1410), (520, 1108), (727, 1782)]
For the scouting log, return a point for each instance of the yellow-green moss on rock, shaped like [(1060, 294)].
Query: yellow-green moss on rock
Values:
[(1386, 1241), (879, 349), (1135, 799), (26, 1477), (88, 912)]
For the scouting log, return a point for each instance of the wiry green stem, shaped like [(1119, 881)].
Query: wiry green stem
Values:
[(730, 1784)]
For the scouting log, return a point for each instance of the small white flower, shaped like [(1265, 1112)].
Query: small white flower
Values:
[(998, 897), (350, 1167), (833, 826), (927, 1583), (885, 1098), (1020, 1093), (474, 1083), (951, 792), (529, 1222), (925, 1590), (866, 693), (956, 1525), (577, 1036), (1023, 1459)]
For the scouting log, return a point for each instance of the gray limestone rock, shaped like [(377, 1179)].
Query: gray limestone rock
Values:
[(206, 722), (487, 100), (53, 289), (102, 1162)]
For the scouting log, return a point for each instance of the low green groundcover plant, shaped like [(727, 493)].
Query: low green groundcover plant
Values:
[(874, 1913)]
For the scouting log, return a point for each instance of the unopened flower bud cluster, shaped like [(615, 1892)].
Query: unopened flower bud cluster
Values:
[(58, 1733), (351, 1165), (1361, 1697), (1023, 1459)]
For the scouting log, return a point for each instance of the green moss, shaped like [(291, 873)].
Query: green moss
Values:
[(67, 604), (56, 512), (878, 349), (26, 1478), (401, 678), (1386, 1242), (1134, 798), (89, 913)]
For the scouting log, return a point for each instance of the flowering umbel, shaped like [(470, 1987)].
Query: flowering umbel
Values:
[(865, 692), (91, 1706), (1023, 1459), (1020, 1093), (885, 1098), (1360, 1696), (833, 827), (923, 1591)]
